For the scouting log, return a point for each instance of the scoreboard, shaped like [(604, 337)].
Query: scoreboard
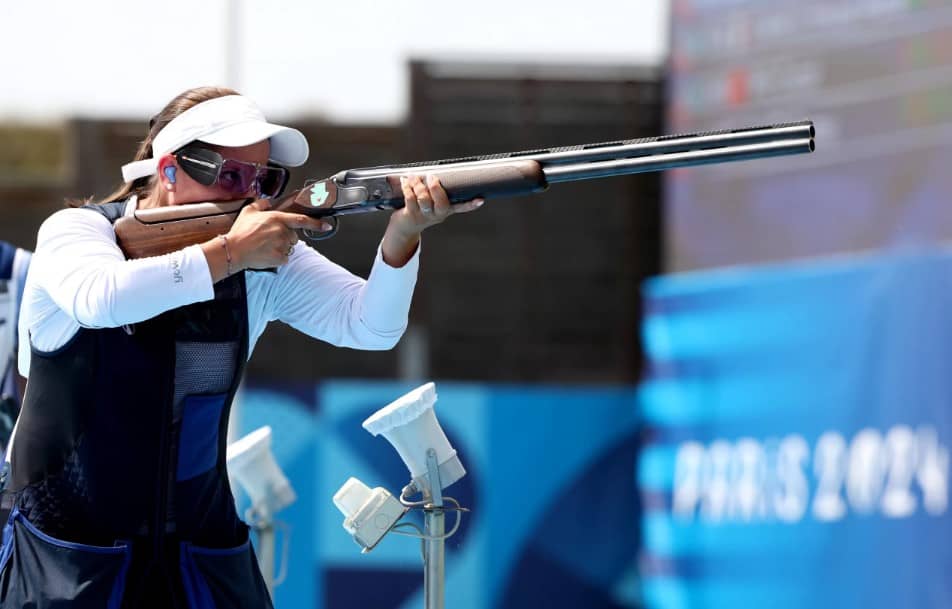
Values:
[(876, 78)]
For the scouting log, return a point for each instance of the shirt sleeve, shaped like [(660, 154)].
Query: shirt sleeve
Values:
[(80, 267), (326, 301), (21, 264)]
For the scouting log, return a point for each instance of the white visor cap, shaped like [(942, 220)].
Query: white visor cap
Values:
[(231, 121)]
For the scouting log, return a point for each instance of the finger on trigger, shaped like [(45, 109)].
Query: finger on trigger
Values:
[(293, 221)]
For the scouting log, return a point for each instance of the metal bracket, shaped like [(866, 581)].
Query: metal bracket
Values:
[(433, 471)]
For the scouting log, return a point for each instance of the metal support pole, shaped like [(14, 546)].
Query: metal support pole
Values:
[(434, 527), (265, 532)]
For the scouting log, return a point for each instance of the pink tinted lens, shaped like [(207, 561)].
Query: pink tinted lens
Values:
[(238, 177)]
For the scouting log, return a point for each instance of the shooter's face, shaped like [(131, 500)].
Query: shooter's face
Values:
[(243, 174)]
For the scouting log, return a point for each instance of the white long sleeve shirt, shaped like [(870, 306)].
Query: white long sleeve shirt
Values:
[(79, 278)]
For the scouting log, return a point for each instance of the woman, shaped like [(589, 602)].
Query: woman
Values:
[(121, 497)]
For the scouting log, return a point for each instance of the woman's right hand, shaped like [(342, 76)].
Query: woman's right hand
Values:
[(259, 239)]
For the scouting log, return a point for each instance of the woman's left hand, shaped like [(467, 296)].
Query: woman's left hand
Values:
[(426, 204)]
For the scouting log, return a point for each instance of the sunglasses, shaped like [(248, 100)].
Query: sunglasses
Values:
[(207, 167)]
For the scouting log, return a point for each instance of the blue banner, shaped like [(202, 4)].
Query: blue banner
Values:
[(549, 482), (798, 420)]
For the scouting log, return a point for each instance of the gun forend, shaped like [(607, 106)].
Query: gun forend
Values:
[(505, 179)]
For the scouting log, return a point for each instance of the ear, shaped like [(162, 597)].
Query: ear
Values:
[(167, 171)]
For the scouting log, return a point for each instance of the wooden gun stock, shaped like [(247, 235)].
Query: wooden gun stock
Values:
[(152, 232)]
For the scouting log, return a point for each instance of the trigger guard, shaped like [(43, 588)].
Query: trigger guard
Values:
[(312, 236)]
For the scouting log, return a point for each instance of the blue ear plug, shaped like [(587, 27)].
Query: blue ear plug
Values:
[(170, 174)]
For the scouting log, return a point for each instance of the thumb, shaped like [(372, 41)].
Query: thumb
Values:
[(462, 208)]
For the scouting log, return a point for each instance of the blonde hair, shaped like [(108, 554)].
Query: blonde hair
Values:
[(177, 106)]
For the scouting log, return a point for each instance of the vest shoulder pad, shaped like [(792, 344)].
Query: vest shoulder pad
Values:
[(112, 210)]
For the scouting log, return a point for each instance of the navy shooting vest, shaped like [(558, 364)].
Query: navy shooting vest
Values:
[(118, 466)]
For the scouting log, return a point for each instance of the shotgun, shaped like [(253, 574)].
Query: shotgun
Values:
[(157, 231)]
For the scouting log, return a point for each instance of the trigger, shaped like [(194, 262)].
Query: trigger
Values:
[(313, 236)]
